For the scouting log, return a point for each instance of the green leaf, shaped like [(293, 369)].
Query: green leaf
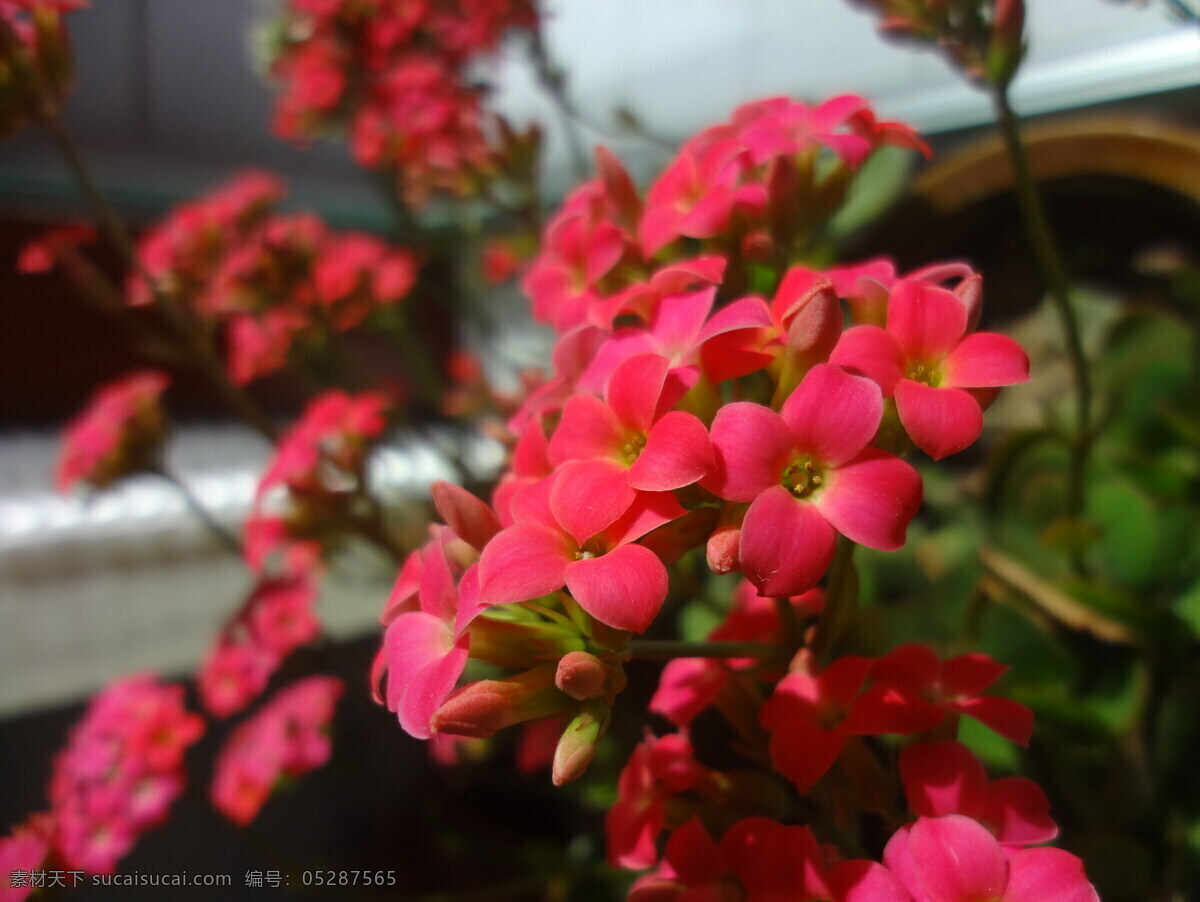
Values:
[(1187, 606), (996, 752), (1129, 548)]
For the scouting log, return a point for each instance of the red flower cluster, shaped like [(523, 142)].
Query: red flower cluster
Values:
[(396, 77), (307, 495), (275, 620), (118, 433), (271, 279), (117, 778), (644, 461), (707, 395), (287, 738)]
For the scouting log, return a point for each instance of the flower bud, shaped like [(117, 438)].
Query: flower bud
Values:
[(722, 551), (577, 747), (470, 518), (480, 709), (582, 675), (1007, 48)]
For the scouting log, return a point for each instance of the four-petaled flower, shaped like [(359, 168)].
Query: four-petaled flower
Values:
[(809, 475)]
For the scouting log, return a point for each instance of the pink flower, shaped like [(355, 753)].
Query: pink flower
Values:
[(659, 768), (953, 686), (932, 368), (286, 738), (22, 851), (579, 528), (955, 859), (120, 772), (235, 671), (943, 778), (809, 474), (724, 346), (698, 194), (693, 866), (42, 253), (424, 652), (634, 426), (118, 433)]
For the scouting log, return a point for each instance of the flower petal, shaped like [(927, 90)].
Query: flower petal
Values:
[(874, 353), (786, 544), (985, 360), (957, 859), (865, 881), (940, 421), (588, 428), (803, 752), (678, 452), (624, 588), (1019, 812), (752, 444), (927, 321), (634, 389), (872, 499), (589, 495), (522, 562), (1010, 719), (833, 414), (1039, 874), (943, 778)]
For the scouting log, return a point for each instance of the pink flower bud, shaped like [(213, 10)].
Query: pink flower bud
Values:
[(481, 709), (582, 675), (471, 519), (722, 549)]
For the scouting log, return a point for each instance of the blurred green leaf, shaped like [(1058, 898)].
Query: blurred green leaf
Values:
[(1070, 535), (1187, 606), (876, 186), (1036, 658), (1128, 550), (697, 620), (996, 752)]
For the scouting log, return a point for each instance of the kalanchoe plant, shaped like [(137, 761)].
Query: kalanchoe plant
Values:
[(724, 420), (686, 416)]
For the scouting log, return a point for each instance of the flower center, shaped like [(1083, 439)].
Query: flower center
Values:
[(802, 477), (925, 373), (634, 447), (590, 549)]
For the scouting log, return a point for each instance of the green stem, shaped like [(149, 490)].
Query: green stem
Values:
[(841, 601), (551, 79), (789, 624), (666, 649), (202, 513), (1049, 262)]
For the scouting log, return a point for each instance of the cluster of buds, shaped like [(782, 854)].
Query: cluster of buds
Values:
[(312, 489), (276, 619), (118, 776), (35, 60), (983, 38), (271, 280), (713, 401), (400, 79), (287, 738), (119, 432)]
